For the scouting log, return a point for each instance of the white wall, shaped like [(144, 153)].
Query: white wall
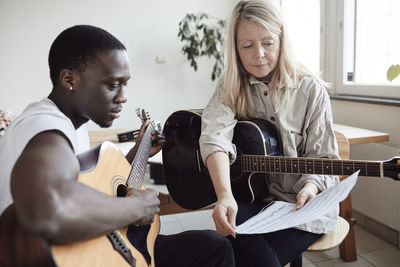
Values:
[(147, 28)]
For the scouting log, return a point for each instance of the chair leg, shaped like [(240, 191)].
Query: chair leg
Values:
[(348, 251), (297, 262)]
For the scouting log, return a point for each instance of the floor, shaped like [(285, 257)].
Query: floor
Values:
[(371, 250)]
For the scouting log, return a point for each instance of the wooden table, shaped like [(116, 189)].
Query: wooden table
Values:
[(354, 135), (97, 137), (360, 136)]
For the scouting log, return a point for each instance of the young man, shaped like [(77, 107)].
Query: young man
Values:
[(89, 69)]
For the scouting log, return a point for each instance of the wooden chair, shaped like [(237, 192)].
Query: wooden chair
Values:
[(343, 234)]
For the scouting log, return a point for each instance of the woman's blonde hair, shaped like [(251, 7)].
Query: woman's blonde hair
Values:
[(236, 79)]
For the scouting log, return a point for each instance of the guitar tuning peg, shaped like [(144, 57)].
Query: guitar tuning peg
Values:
[(159, 127), (144, 117), (138, 112)]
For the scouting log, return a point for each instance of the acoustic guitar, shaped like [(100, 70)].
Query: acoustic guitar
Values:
[(105, 169), (259, 153)]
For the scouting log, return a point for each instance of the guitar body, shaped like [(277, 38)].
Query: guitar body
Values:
[(105, 169), (186, 177), (18, 247), (188, 180), (108, 176)]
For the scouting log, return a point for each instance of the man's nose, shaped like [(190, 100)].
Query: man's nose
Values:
[(121, 96)]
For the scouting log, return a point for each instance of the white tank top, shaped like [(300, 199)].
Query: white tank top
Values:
[(36, 118)]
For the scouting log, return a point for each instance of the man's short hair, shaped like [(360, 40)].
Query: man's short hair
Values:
[(75, 46)]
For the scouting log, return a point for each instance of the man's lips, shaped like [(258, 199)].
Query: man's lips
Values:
[(116, 112)]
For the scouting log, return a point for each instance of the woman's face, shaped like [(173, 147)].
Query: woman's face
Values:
[(258, 48)]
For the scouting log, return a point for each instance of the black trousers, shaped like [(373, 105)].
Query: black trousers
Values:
[(268, 250), (271, 250), (202, 248)]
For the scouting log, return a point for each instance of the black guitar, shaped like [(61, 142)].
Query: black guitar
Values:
[(259, 152)]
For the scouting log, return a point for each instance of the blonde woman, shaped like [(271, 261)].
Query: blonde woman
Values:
[(263, 80)]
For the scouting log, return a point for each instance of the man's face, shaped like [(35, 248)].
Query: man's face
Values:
[(101, 87)]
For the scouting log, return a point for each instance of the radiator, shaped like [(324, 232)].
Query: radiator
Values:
[(377, 198)]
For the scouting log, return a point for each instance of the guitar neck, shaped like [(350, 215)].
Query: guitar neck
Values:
[(274, 164), (139, 163)]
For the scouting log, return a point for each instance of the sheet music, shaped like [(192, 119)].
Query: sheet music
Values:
[(280, 215)]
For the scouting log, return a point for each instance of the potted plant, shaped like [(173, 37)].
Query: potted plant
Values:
[(203, 35)]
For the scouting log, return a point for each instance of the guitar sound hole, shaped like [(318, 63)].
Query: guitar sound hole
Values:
[(121, 191)]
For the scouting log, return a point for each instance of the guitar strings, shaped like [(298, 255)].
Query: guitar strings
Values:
[(139, 164), (315, 166)]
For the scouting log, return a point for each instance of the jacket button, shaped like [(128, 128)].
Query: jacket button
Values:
[(265, 93), (272, 118)]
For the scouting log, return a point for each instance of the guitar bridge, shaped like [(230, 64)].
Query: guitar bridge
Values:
[(122, 247)]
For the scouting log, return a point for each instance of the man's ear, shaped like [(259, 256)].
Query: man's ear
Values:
[(68, 78)]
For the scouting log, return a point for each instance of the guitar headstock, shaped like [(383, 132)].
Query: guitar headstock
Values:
[(391, 168), (143, 115)]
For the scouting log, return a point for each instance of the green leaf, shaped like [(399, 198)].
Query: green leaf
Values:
[(393, 72)]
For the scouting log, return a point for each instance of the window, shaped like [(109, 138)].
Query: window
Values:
[(377, 42), (365, 40), (350, 43)]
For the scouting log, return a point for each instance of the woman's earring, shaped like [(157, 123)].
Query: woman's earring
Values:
[(70, 88)]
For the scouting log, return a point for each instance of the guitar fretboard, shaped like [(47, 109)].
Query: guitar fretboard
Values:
[(273, 164), (139, 163)]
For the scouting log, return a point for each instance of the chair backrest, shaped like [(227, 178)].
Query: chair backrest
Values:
[(343, 145)]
